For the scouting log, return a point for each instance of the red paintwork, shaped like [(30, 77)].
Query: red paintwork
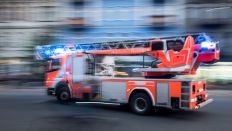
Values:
[(208, 57), (176, 59)]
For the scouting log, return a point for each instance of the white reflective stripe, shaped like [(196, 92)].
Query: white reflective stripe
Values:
[(167, 55), (104, 103), (195, 60)]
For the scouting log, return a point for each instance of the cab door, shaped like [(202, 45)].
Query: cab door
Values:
[(52, 72), (78, 68)]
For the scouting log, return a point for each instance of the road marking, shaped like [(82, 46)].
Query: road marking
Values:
[(103, 103), (219, 8)]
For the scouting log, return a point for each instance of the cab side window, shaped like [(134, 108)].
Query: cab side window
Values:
[(157, 45), (55, 65), (175, 45)]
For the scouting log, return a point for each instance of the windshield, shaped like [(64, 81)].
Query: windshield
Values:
[(55, 64)]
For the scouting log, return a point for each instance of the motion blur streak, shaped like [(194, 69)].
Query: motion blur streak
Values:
[(25, 24)]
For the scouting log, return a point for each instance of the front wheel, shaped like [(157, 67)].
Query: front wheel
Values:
[(141, 104), (63, 95)]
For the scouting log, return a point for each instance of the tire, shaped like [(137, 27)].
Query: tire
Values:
[(63, 94), (141, 104)]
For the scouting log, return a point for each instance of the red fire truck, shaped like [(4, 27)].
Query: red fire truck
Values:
[(141, 73)]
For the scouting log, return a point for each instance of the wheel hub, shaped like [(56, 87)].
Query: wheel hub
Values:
[(140, 104), (64, 96)]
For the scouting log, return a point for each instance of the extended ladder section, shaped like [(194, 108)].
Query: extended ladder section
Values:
[(47, 51), (175, 55)]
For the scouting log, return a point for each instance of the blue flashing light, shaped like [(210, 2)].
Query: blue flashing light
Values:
[(46, 52), (207, 44)]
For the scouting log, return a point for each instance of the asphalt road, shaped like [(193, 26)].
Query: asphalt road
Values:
[(32, 110)]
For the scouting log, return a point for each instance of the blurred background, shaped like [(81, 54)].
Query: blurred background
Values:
[(25, 24)]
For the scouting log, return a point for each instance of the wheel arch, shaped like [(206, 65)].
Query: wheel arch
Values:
[(141, 90), (60, 85)]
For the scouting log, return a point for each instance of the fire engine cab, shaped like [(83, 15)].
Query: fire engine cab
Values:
[(141, 73)]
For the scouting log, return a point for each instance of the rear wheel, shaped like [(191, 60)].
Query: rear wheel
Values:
[(63, 94), (141, 104)]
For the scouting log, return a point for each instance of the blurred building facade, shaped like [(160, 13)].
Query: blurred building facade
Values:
[(27, 23), (22, 24), (213, 17)]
